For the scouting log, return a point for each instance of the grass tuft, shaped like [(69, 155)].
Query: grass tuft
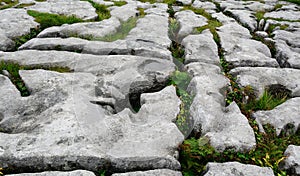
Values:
[(4, 4), (47, 20), (120, 3)]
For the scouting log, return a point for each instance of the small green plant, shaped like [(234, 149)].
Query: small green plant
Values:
[(259, 15), (122, 31), (4, 4), (181, 81), (101, 10), (269, 152), (23, 39), (120, 3), (47, 20), (173, 29), (141, 12)]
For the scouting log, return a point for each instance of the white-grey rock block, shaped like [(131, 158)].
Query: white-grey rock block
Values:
[(158, 172), (292, 162), (58, 173)]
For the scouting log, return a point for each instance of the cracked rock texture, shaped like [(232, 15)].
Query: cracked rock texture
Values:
[(114, 109)]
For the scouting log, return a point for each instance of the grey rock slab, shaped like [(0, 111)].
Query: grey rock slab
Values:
[(292, 162), (226, 20), (236, 168), (243, 52), (284, 118), (208, 6), (283, 14), (158, 9), (125, 12), (58, 173), (226, 127), (107, 3), (288, 48), (80, 9), (158, 172), (246, 18), (234, 29), (188, 20), (153, 29), (201, 48), (113, 71), (260, 78), (57, 127), (83, 30), (13, 24)]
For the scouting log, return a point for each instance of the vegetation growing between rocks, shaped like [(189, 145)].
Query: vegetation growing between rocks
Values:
[(23, 39), (122, 31), (4, 4), (13, 70), (101, 10), (47, 19), (25, 5), (269, 152), (181, 81), (120, 3), (293, 1)]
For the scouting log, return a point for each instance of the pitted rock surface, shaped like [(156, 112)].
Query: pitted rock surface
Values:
[(113, 109)]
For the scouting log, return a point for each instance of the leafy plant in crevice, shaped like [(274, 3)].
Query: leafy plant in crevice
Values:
[(101, 10), (122, 31), (23, 39), (176, 48), (181, 81), (269, 152), (13, 69), (120, 3)]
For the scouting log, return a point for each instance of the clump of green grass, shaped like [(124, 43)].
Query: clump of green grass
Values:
[(23, 39), (13, 70), (122, 31), (141, 12), (259, 15), (4, 4), (47, 20), (101, 10), (40, 0), (269, 152), (120, 3), (181, 81)]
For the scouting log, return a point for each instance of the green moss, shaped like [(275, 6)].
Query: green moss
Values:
[(47, 20), (13, 70), (259, 15), (122, 31), (101, 10), (4, 4), (23, 39), (120, 3), (141, 12), (40, 0)]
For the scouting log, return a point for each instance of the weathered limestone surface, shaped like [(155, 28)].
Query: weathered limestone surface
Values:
[(292, 162), (157, 172), (235, 168), (57, 173)]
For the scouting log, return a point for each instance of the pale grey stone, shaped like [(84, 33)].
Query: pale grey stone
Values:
[(208, 6), (262, 34), (246, 18), (234, 29), (125, 12), (236, 168), (158, 172), (226, 127), (80, 9), (14, 23), (158, 9), (58, 173), (243, 52), (83, 30), (201, 48), (284, 118), (58, 128), (226, 20), (259, 78), (188, 20), (107, 3), (153, 29), (292, 162), (283, 14)]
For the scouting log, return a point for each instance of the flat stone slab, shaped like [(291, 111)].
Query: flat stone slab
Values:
[(125, 12), (83, 30), (158, 172), (236, 168), (226, 127), (188, 20), (60, 126), (13, 24), (260, 78), (292, 162), (80, 9), (282, 116), (283, 14), (58, 173), (201, 48)]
